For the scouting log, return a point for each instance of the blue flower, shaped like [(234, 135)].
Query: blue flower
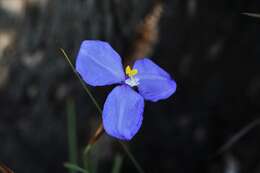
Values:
[(99, 65)]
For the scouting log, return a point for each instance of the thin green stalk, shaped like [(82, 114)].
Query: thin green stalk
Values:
[(72, 135), (86, 162), (238, 136), (117, 164), (82, 83), (75, 168), (127, 151), (131, 157)]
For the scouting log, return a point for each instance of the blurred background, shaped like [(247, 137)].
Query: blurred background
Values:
[(209, 47)]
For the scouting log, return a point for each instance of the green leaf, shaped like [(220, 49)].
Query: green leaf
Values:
[(75, 167)]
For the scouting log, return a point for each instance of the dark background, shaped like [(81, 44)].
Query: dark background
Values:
[(209, 47)]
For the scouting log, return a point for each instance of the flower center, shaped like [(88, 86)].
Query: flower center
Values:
[(131, 81)]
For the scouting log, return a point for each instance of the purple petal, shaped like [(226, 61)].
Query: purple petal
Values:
[(154, 83), (123, 112), (98, 64)]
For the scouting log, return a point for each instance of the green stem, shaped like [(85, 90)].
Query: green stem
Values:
[(72, 138), (85, 157), (75, 168), (131, 157), (82, 83), (117, 164)]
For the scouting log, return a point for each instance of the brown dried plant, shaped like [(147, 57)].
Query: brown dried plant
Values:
[(147, 34)]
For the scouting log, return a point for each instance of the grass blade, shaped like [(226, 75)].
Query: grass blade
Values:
[(131, 157), (81, 81), (238, 136), (117, 164), (72, 135), (75, 168)]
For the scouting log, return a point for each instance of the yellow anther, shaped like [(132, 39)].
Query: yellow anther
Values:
[(130, 72)]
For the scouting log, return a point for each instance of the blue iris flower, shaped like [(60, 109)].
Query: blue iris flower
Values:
[(99, 65)]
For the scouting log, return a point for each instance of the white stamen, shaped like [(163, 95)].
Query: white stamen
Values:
[(132, 81)]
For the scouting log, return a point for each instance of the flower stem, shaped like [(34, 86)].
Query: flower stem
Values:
[(131, 157)]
